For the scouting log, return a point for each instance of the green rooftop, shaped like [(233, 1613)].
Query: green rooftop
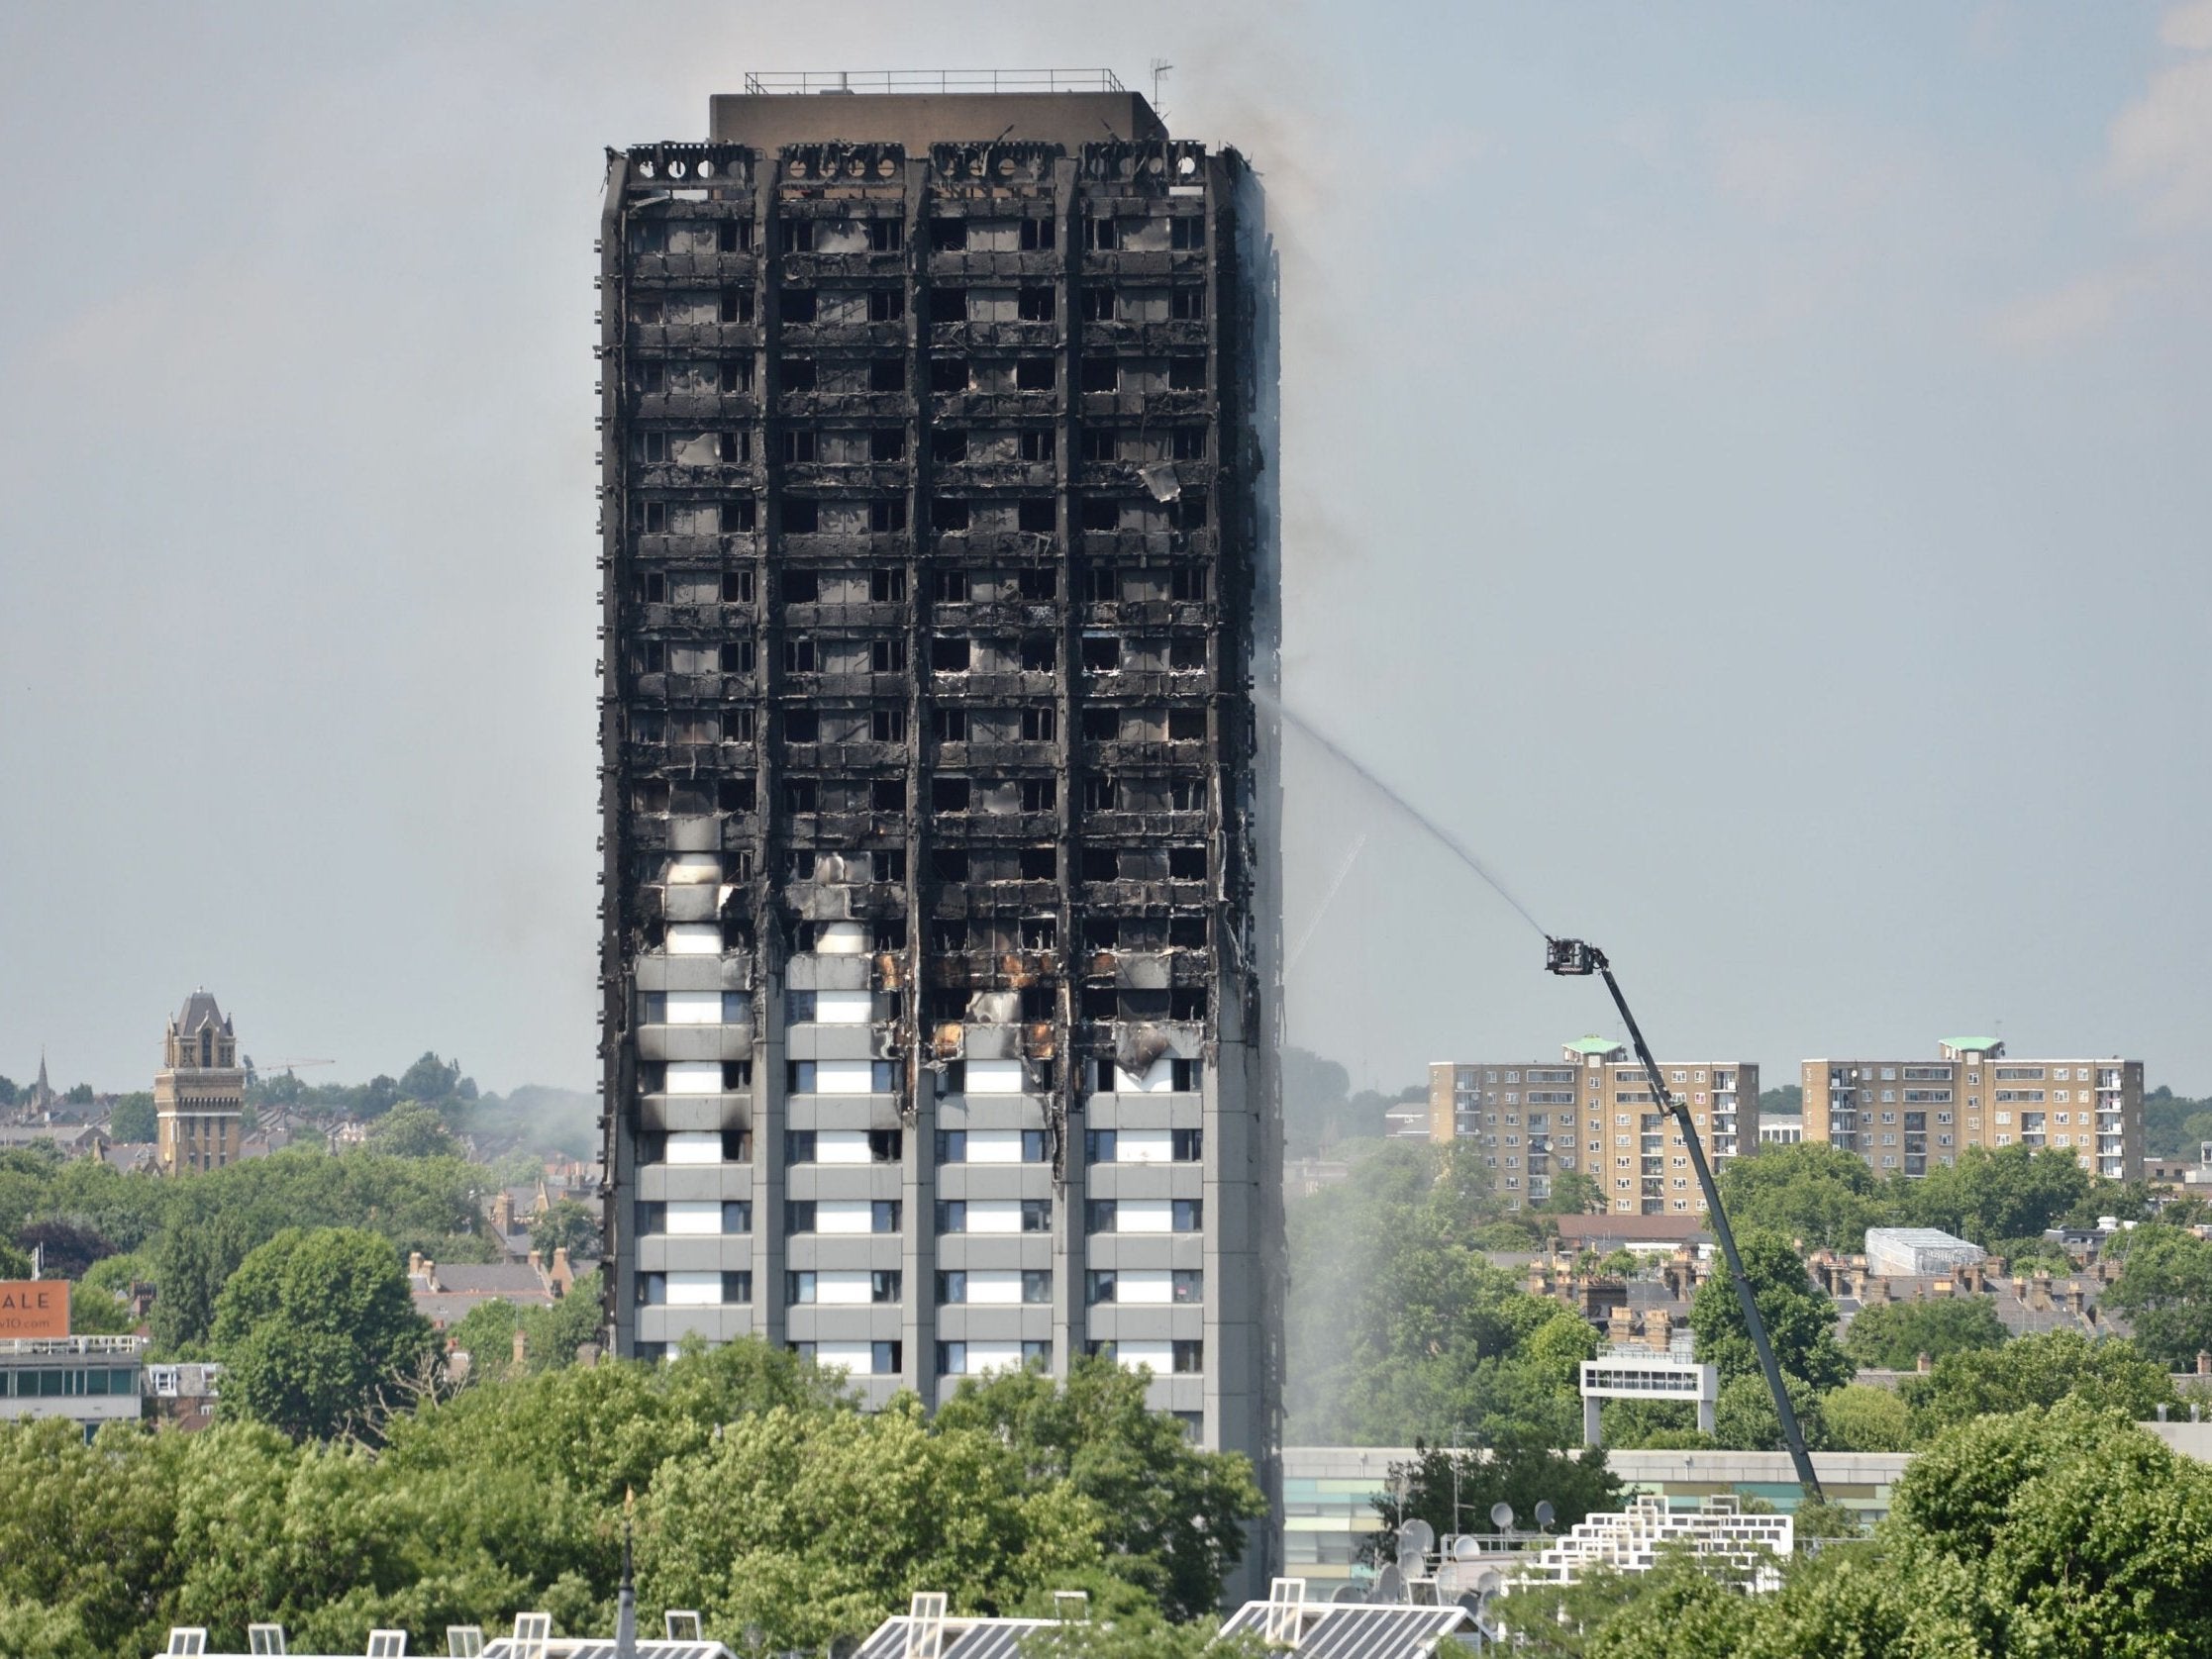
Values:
[(1974, 1045), (1591, 1045)]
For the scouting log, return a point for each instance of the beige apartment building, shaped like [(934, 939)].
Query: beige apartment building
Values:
[(199, 1094), (1911, 1116), (1594, 1112)]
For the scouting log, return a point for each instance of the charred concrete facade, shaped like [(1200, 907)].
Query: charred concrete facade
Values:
[(941, 910)]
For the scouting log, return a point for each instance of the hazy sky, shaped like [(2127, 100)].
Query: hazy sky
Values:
[(1748, 471)]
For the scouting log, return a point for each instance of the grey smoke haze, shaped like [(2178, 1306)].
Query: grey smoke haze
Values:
[(1745, 469)]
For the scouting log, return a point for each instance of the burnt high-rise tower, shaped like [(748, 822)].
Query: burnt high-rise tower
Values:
[(940, 857)]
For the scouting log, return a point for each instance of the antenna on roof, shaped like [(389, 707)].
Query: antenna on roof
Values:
[(1160, 67), (1390, 1586)]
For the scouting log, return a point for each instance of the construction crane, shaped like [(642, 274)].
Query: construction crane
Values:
[(253, 1073), (1576, 957)]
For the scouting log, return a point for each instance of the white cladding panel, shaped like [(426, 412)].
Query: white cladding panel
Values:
[(844, 1077), (844, 1214), (994, 1287), (1144, 1286), (842, 1290), (695, 1215), (992, 1356), (694, 1008), (693, 1147), (694, 938), (994, 1147), (1145, 1215), (1157, 1079), (841, 1146), (993, 1077), (694, 1290), (1143, 1146), (844, 1007), (994, 1214), (841, 938), (694, 1077), (1161, 1356), (855, 1357)]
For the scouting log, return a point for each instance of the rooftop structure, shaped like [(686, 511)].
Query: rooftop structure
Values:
[(90, 1380), (199, 1094), (942, 911), (1643, 1374), (1918, 1250), (1742, 1547)]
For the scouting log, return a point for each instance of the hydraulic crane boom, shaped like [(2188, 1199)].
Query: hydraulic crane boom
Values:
[(1574, 956)]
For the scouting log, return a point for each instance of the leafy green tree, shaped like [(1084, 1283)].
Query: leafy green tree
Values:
[(1864, 1418), (1137, 1632), (14, 1263), (1454, 1491), (1810, 1192), (2013, 1192), (1571, 1194), (1892, 1335), (551, 1335), (1799, 1317), (412, 1129), (430, 1079), (312, 1325), (2036, 1371), (9, 1088), (133, 1118), (2164, 1288), (80, 1094), (100, 1304), (812, 1527), (1172, 1518), (1745, 1418), (566, 1224)]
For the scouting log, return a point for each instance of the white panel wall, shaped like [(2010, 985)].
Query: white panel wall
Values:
[(696, 1216), (694, 1290), (1144, 1214), (992, 1356), (994, 1288), (1144, 1286), (1143, 1146), (844, 1077), (855, 1357), (994, 1077), (841, 1146), (1158, 1079), (844, 1007), (694, 938), (994, 1147), (994, 1214), (689, 1147), (1161, 1356), (841, 938), (694, 1077), (687, 868), (844, 1214), (842, 1290), (694, 1008)]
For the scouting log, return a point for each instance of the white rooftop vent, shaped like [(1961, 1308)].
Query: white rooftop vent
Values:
[(387, 1644), (681, 1625), (463, 1641), (925, 1625), (264, 1638), (531, 1631), (185, 1638), (1287, 1602)]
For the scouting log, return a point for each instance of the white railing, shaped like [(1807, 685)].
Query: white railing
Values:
[(936, 80)]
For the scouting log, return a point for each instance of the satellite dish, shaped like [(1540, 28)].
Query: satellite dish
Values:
[(1348, 1594), (1452, 1578), (1544, 1513), (844, 1646), (1390, 1587), (1416, 1536), (1466, 1547), (1501, 1516), (1473, 1603)]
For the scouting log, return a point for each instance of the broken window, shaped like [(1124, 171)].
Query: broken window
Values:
[(736, 305), (650, 376), (1098, 304), (1101, 513), (1101, 726), (951, 795), (1037, 236), (645, 310), (1099, 792), (799, 305), (1188, 443), (1098, 235), (1186, 231), (887, 657), (887, 444), (1186, 933), (801, 446), (949, 513), (1041, 582), (887, 795), (886, 305), (1035, 514), (949, 934), (1186, 374), (1039, 653), (733, 235), (802, 725), (735, 518), (1039, 726), (1036, 304), (887, 518), (1040, 795), (889, 866), (801, 517), (1187, 1002), (949, 305), (1099, 443), (649, 794), (1186, 652), (653, 586), (734, 795), (1101, 374), (798, 656), (1101, 864), (951, 725), (1188, 583), (950, 862), (798, 236), (798, 374), (948, 446), (1102, 653), (886, 585), (948, 235), (1039, 863), (888, 726), (732, 448), (1186, 304), (1039, 932), (951, 654), (886, 235), (1041, 445), (734, 374), (735, 658), (1036, 374), (949, 587), (1186, 863), (802, 795), (950, 374)]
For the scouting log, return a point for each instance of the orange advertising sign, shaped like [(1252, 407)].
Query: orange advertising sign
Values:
[(34, 1308)]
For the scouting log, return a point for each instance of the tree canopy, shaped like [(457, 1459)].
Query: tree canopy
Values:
[(1799, 1317), (1892, 1335)]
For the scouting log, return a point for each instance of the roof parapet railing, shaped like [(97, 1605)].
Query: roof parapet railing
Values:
[(934, 80)]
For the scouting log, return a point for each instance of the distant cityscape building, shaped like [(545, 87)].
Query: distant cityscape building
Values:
[(1592, 1112), (199, 1094), (1906, 1117), (1775, 1130), (89, 1380)]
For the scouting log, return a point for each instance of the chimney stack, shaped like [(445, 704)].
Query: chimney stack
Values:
[(1926, 1364)]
